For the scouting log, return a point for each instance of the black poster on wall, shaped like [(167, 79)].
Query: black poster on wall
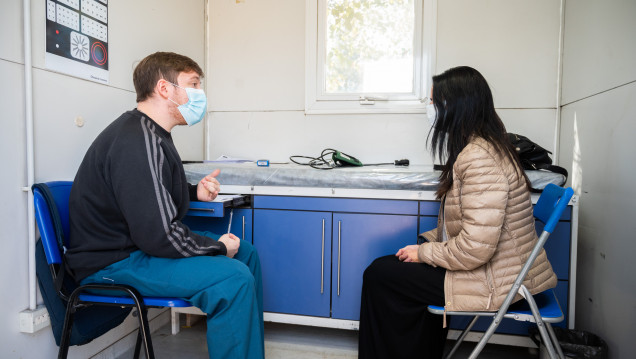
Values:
[(77, 38)]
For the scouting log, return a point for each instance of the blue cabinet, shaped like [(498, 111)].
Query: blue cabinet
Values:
[(295, 252), (314, 250), (358, 239)]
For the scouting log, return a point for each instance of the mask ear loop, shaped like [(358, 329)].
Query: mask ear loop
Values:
[(175, 85)]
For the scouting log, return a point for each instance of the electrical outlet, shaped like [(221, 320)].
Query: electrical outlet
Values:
[(67, 17), (94, 9), (94, 28), (33, 320)]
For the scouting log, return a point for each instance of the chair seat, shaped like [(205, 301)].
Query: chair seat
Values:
[(546, 302), (148, 301)]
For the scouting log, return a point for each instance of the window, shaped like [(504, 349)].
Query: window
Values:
[(369, 56)]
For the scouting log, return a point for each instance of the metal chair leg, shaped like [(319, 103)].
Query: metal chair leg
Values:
[(138, 345), (461, 337), (150, 354), (555, 340), (68, 326), (144, 328), (547, 341), (484, 339)]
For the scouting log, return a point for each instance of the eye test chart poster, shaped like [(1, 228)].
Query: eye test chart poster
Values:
[(77, 38)]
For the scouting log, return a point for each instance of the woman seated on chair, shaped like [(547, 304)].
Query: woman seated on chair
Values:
[(484, 235)]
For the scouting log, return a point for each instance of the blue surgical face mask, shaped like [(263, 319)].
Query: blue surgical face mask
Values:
[(193, 110), (431, 113)]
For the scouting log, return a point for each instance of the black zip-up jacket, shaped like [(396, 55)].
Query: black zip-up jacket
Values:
[(130, 193)]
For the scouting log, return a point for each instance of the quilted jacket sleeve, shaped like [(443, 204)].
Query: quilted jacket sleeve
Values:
[(475, 210)]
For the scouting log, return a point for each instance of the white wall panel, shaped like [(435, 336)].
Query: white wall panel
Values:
[(139, 28), (60, 145), (514, 44), (536, 124), (372, 139), (11, 31), (256, 55), (599, 47), (278, 135), (13, 211), (598, 148)]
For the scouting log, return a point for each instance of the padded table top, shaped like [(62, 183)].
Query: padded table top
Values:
[(386, 177)]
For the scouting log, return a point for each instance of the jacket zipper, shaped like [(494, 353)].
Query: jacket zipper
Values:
[(490, 284), (444, 320)]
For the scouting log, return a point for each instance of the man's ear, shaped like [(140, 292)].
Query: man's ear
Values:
[(162, 88)]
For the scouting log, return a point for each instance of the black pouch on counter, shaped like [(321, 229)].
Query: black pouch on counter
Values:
[(533, 156)]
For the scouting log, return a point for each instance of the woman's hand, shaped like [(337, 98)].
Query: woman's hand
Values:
[(409, 254)]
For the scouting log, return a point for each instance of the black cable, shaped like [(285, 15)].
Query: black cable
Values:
[(319, 163)]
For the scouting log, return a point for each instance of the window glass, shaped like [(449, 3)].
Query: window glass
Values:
[(369, 46)]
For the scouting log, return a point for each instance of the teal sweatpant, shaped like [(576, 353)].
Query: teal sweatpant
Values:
[(228, 290)]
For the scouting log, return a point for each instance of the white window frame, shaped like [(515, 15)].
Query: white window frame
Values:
[(318, 102)]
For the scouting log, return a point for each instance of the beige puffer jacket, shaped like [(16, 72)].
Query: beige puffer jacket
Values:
[(490, 231)]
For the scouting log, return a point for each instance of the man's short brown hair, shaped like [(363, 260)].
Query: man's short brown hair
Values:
[(160, 65)]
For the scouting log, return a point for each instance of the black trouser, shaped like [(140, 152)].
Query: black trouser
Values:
[(394, 321)]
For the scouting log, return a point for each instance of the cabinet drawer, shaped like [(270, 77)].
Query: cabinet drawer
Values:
[(351, 205), (557, 247), (206, 209), (217, 207), (429, 208)]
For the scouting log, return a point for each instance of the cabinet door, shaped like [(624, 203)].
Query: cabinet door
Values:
[(295, 252), (241, 223), (427, 223), (557, 247), (358, 239)]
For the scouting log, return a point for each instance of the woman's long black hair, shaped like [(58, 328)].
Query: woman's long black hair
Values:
[(465, 107)]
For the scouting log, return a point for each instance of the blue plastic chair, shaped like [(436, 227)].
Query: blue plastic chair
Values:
[(542, 308), (123, 295)]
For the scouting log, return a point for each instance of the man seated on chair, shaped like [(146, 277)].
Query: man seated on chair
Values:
[(127, 202)]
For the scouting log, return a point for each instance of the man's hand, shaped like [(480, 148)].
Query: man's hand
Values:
[(232, 243), (208, 188), (409, 254)]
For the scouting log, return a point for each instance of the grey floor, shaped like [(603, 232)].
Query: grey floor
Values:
[(283, 341)]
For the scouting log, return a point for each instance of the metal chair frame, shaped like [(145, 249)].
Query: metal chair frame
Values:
[(548, 210)]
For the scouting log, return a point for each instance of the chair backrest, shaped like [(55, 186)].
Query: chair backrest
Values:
[(52, 228), (551, 204)]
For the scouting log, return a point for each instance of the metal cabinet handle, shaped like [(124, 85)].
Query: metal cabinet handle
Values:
[(243, 238), (339, 226), (322, 262)]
